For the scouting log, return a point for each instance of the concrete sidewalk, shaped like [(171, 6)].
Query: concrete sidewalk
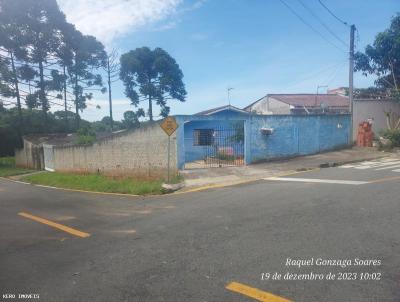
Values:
[(197, 178)]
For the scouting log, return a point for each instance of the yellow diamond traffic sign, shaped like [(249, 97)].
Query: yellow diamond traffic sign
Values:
[(169, 125)]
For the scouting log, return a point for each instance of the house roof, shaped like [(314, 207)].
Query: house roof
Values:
[(308, 100), (222, 108)]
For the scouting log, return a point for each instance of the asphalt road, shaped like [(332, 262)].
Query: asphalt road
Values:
[(189, 247)]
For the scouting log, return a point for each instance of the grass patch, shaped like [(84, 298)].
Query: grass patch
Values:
[(178, 178), (95, 182), (7, 167)]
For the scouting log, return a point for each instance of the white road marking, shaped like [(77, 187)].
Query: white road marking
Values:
[(382, 164), (368, 165), (316, 180), (387, 168)]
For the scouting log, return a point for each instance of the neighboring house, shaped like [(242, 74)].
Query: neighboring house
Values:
[(340, 91), (223, 110), (300, 104)]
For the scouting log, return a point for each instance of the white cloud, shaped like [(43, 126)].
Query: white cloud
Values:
[(109, 19)]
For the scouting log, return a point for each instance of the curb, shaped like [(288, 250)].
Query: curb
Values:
[(209, 186), (75, 190), (286, 173), (240, 182)]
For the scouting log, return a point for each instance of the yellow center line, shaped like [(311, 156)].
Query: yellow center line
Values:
[(55, 225), (255, 293)]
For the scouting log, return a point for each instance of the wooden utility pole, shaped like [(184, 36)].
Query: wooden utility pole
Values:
[(351, 72)]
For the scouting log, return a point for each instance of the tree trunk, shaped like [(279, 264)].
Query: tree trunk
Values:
[(109, 93), (20, 122), (42, 93), (65, 100), (76, 103), (150, 109)]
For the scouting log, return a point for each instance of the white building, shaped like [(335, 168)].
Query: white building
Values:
[(300, 104)]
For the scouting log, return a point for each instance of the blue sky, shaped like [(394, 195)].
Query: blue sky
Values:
[(255, 46)]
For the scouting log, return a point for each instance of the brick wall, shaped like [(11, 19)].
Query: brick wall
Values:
[(139, 152)]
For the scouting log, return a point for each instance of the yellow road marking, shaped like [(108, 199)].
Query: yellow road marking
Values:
[(255, 293), (384, 179), (55, 225)]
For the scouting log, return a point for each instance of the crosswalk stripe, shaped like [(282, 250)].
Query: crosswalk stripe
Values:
[(327, 181), (387, 168), (378, 165), (382, 164)]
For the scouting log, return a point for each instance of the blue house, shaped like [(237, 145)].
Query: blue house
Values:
[(228, 135)]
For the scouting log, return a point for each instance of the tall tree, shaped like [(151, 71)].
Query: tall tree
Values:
[(152, 76), (88, 55), (13, 43), (382, 59), (65, 53), (44, 20), (112, 70), (131, 119)]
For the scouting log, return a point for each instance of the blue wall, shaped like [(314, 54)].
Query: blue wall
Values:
[(293, 135), (193, 152)]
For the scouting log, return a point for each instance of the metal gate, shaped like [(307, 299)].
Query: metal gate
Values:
[(48, 157), (221, 146)]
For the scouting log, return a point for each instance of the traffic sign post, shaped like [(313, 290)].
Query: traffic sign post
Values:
[(169, 126)]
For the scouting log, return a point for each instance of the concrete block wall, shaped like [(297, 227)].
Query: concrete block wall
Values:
[(30, 156), (140, 152), (373, 109), (294, 135)]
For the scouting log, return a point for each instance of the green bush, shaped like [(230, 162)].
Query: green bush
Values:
[(7, 161), (85, 139), (393, 136), (85, 136)]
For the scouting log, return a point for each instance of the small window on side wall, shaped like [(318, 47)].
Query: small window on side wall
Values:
[(203, 137)]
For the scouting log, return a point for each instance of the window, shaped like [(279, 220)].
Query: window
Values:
[(203, 137)]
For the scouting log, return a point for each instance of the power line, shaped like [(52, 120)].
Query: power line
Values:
[(316, 73), (323, 24), (334, 74), (310, 26), (332, 14)]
